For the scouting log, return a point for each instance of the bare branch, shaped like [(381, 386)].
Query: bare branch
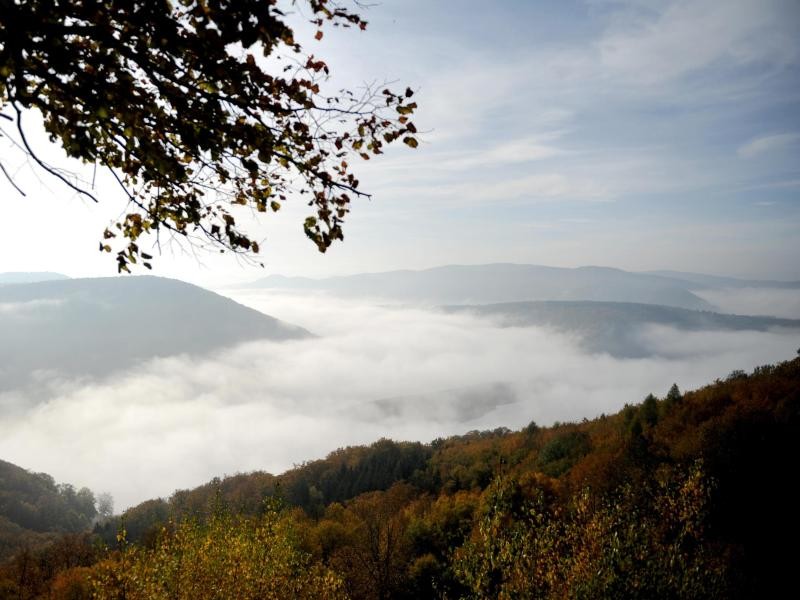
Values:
[(10, 180), (43, 164)]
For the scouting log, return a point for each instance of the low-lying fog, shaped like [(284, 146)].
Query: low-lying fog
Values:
[(374, 371)]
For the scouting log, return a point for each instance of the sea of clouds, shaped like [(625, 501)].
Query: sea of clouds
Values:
[(372, 371)]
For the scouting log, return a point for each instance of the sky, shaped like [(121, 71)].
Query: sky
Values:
[(632, 133)]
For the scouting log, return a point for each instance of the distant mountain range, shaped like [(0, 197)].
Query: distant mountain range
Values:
[(495, 283), (21, 277), (99, 326), (617, 327)]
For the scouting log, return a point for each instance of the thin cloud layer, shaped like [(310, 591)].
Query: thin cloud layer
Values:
[(767, 143), (374, 371), (677, 38)]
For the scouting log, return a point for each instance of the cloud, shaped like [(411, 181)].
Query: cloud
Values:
[(30, 306), (375, 371), (538, 186), (767, 143), (520, 150), (677, 38), (437, 163)]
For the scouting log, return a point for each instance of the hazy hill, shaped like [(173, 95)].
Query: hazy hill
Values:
[(33, 508), (18, 277), (97, 326), (617, 327), (485, 284)]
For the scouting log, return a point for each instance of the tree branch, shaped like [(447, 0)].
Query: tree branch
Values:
[(10, 180), (43, 164)]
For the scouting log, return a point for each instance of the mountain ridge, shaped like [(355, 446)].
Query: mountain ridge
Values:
[(500, 282), (118, 321), (615, 327), (23, 277)]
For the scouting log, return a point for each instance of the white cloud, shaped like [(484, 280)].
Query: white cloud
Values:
[(684, 36), (21, 308), (767, 143), (542, 186), (521, 150), (435, 163), (505, 188)]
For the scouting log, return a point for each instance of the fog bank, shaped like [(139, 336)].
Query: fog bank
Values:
[(375, 371)]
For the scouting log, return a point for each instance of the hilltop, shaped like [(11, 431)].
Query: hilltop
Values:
[(97, 327)]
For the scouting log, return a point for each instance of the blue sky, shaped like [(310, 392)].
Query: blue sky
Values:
[(638, 134)]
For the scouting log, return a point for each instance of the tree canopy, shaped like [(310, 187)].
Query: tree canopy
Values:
[(199, 108)]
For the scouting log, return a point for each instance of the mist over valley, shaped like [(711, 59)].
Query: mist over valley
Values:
[(143, 385)]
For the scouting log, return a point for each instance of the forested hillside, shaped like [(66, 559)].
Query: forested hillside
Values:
[(682, 496), (34, 509)]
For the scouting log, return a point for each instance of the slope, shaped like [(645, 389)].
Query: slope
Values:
[(94, 327), (34, 509)]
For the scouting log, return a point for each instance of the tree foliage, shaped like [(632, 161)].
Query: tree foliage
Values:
[(644, 543), (33, 508), (226, 557), (198, 107)]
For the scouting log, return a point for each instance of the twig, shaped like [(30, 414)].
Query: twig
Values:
[(11, 181), (44, 165)]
